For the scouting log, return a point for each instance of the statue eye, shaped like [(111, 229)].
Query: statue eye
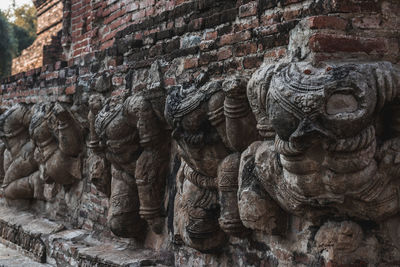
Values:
[(341, 103)]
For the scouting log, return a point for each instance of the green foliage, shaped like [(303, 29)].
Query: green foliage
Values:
[(23, 38), (25, 18), (17, 32), (7, 46)]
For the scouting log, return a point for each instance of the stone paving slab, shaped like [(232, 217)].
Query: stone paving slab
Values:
[(121, 256), (50, 242), (13, 258), (26, 231)]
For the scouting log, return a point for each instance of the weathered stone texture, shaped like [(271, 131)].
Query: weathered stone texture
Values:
[(231, 133)]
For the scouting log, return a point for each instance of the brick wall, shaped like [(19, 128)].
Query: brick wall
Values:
[(120, 39), (218, 36), (49, 24)]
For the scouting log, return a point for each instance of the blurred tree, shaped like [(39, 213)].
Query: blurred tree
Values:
[(17, 32), (7, 46), (25, 17), (24, 21), (22, 37)]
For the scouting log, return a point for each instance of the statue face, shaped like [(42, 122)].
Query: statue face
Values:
[(309, 105), (324, 119)]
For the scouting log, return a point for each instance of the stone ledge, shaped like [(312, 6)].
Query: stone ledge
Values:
[(14, 258), (50, 242), (26, 231)]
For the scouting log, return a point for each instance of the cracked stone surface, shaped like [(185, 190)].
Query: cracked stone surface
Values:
[(13, 258)]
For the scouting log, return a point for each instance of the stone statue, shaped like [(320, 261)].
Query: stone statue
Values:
[(99, 169), (58, 142), (328, 150), (209, 126), (132, 136), (2, 150), (346, 243), (21, 174)]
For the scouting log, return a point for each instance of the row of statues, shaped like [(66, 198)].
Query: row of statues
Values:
[(40, 144), (297, 139)]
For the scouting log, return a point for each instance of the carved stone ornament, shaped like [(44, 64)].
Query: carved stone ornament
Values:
[(21, 171), (132, 136), (99, 168), (58, 142), (209, 121), (327, 150), (345, 243)]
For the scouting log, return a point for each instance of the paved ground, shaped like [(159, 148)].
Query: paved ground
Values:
[(12, 258)]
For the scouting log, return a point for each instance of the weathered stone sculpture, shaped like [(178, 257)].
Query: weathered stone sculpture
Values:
[(133, 136), (99, 169), (121, 143), (345, 243), (327, 152), (209, 125), (58, 142), (2, 150), (21, 178)]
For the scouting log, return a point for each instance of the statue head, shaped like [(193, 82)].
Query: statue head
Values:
[(323, 121), (303, 104)]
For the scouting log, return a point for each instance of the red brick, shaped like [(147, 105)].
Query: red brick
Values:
[(245, 49), (178, 2), (224, 53), (354, 6), (211, 35), (114, 16), (234, 38), (110, 9), (77, 52), (70, 90), (81, 44), (333, 43), (252, 62), (276, 53), (107, 44), (291, 14), (206, 58), (76, 6), (369, 22), (327, 22), (191, 63)]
